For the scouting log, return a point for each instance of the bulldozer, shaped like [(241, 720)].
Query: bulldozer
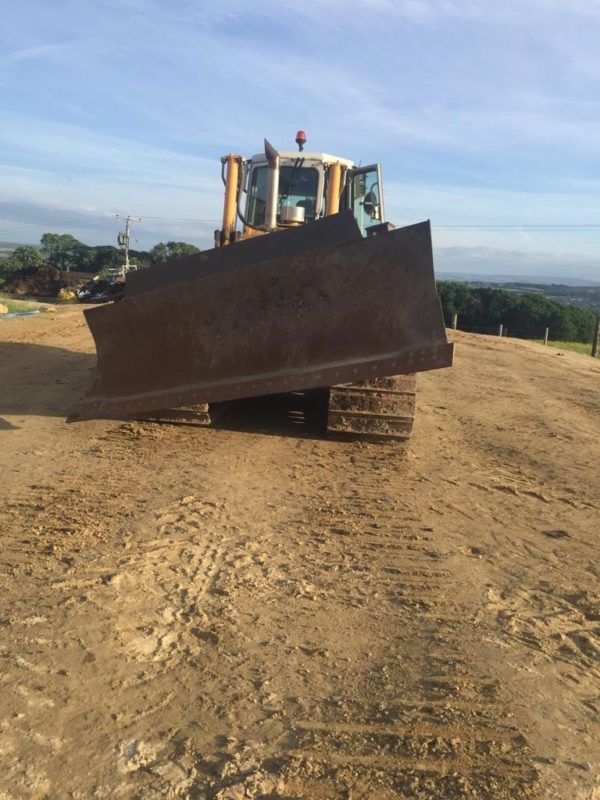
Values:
[(307, 288)]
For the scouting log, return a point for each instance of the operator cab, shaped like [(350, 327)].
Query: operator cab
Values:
[(287, 188), (303, 188), (302, 179)]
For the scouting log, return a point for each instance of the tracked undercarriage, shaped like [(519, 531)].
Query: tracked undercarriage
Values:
[(379, 410)]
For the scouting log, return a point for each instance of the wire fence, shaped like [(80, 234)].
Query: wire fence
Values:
[(543, 335)]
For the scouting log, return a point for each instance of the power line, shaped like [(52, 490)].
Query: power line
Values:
[(183, 219), (73, 224), (459, 226), (523, 227)]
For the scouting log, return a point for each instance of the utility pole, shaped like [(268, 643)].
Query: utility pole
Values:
[(596, 338), (123, 240)]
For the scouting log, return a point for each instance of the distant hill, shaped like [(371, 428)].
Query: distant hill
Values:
[(520, 280), (570, 291), (523, 266), (6, 248), (525, 313)]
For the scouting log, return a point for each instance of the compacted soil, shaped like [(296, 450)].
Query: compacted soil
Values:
[(252, 611)]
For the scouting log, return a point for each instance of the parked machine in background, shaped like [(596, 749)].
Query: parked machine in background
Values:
[(307, 287)]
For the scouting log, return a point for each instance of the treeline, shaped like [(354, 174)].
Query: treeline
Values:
[(483, 309), (65, 252)]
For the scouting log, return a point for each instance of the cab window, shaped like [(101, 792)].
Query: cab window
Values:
[(257, 196), (298, 186)]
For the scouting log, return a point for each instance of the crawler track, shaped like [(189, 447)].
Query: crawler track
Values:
[(377, 410)]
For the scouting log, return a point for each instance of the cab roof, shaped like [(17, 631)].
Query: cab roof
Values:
[(292, 155)]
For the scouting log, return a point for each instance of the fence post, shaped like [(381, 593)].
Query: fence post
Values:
[(596, 338), (546, 336), (454, 321), (500, 327)]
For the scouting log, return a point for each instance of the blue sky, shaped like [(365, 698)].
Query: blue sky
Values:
[(482, 114)]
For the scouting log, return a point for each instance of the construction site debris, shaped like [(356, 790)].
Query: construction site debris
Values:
[(100, 290), (42, 281), (67, 296)]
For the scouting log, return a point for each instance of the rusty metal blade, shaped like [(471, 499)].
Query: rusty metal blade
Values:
[(331, 230), (337, 314)]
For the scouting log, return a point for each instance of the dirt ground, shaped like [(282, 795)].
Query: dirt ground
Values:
[(252, 611)]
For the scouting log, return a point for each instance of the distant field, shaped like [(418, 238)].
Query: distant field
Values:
[(577, 347), (6, 248)]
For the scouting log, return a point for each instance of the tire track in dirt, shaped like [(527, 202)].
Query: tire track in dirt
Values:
[(73, 638), (170, 577), (400, 709)]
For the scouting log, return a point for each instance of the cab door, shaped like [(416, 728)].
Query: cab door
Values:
[(364, 196)]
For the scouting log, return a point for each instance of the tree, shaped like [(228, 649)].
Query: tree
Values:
[(171, 250), (23, 257), (483, 309), (104, 257), (64, 251), (141, 258)]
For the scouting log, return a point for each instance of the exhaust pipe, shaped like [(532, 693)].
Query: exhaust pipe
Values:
[(272, 186)]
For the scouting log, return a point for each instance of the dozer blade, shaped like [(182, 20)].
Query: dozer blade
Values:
[(330, 315), (335, 229)]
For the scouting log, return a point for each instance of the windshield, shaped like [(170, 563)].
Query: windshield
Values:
[(298, 186)]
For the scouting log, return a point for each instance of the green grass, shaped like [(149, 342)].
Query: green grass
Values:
[(576, 347), (19, 305)]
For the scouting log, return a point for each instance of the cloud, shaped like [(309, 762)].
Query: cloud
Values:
[(490, 261), (39, 53), (73, 150), (480, 113), (27, 221)]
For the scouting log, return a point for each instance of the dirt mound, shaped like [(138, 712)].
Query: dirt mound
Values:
[(42, 281)]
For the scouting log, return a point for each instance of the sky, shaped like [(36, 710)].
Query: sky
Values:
[(484, 116)]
